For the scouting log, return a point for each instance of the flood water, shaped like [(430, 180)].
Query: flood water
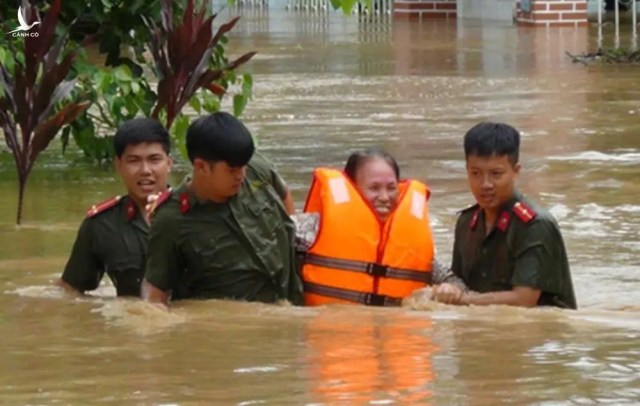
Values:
[(325, 86)]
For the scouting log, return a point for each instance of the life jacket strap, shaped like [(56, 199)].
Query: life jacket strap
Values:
[(369, 299), (370, 268)]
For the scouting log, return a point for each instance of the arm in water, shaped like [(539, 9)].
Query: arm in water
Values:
[(519, 296), (447, 287), (83, 270), (154, 295), (163, 258)]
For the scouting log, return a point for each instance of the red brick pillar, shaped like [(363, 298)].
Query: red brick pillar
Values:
[(552, 13), (419, 9)]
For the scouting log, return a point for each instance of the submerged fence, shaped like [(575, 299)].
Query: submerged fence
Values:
[(617, 23)]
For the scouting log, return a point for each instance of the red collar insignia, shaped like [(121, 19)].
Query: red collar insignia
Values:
[(184, 203), (503, 221), (131, 210)]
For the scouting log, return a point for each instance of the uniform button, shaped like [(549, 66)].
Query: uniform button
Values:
[(484, 274)]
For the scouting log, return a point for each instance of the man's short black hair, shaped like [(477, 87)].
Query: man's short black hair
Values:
[(489, 139), (220, 137), (140, 130)]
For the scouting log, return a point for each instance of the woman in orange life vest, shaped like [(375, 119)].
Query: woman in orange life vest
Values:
[(365, 236)]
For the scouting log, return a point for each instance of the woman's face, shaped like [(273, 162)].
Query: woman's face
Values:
[(378, 184)]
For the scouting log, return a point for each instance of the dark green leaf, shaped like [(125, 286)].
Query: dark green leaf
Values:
[(239, 103), (64, 138)]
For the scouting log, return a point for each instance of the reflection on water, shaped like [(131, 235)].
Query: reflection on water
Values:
[(323, 86), (375, 358)]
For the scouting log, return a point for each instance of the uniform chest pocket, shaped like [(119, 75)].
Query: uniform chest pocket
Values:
[(265, 213), (215, 251)]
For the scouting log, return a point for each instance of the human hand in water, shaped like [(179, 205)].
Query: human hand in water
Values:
[(448, 294)]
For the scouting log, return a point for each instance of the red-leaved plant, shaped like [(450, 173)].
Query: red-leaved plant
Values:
[(34, 92), (182, 55)]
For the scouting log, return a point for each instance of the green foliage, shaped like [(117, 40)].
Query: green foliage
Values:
[(190, 66), (240, 100), (117, 95), (113, 24)]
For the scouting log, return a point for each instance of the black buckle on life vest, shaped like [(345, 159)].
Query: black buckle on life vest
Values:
[(372, 299), (374, 269)]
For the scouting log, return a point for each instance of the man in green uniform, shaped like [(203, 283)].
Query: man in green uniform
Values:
[(113, 236), (224, 233), (507, 249)]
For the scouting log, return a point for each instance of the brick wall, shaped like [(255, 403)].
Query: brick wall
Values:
[(553, 13), (420, 9)]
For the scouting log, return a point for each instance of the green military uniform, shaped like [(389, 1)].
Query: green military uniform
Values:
[(112, 239), (242, 249), (524, 248)]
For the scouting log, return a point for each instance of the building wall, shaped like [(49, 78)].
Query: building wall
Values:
[(547, 13), (423, 9), (544, 13)]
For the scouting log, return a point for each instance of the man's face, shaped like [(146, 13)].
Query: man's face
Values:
[(144, 168), (491, 179), (223, 181)]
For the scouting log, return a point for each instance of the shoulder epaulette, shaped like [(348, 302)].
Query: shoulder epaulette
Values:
[(524, 212), (103, 206)]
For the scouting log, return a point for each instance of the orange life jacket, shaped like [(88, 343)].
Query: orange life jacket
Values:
[(358, 259)]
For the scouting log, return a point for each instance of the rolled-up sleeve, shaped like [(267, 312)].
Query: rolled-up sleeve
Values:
[(83, 270), (538, 259)]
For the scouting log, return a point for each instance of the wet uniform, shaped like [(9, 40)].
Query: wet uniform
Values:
[(112, 239), (242, 249), (524, 248)]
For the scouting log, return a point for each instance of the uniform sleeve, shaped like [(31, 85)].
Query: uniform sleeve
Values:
[(279, 184), (163, 257), (456, 259), (538, 258), (268, 169), (83, 270)]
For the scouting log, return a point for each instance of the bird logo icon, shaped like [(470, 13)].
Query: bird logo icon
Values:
[(23, 22)]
